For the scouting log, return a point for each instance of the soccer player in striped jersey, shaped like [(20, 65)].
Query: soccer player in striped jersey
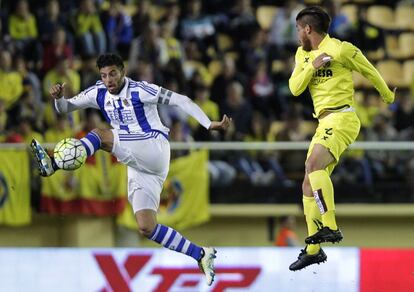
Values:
[(139, 140), (325, 65)]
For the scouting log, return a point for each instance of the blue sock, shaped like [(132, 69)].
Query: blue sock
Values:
[(169, 238), (92, 143)]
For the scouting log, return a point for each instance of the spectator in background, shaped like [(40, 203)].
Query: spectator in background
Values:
[(228, 75), (282, 34), (23, 31), (211, 109), (87, 71), (11, 82), (50, 20), (118, 27), (57, 49), (30, 104), (88, 29), (27, 131), (59, 130), (254, 51), (149, 46), (179, 134), (242, 20), (172, 17), (142, 18), (340, 26), (262, 91), (198, 27), (239, 109), (286, 235), (404, 112), (173, 45), (63, 74)]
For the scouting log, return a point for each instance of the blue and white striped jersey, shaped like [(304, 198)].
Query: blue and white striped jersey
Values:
[(134, 109)]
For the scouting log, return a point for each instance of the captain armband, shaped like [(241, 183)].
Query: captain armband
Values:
[(164, 96)]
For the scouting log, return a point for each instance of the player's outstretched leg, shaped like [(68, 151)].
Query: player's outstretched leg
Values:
[(170, 238), (305, 259), (45, 163)]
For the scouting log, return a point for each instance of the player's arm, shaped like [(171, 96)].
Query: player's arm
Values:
[(301, 75), (356, 61), (169, 97), (65, 105)]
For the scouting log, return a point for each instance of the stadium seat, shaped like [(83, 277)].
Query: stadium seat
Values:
[(406, 44), (265, 15), (351, 11), (404, 17), (392, 73), (381, 16), (408, 69), (401, 47)]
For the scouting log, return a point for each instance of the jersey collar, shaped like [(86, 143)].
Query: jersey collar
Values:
[(324, 42), (123, 93)]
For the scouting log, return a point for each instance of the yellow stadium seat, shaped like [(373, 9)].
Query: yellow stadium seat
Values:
[(351, 11), (381, 16), (406, 44), (408, 71), (401, 47), (404, 17), (392, 73), (265, 15)]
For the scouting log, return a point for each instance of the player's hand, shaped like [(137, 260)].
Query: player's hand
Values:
[(391, 100), (222, 125), (56, 91), (321, 60)]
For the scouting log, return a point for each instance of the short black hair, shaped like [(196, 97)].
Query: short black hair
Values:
[(106, 60), (315, 17)]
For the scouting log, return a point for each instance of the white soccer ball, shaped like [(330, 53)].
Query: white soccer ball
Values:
[(69, 154)]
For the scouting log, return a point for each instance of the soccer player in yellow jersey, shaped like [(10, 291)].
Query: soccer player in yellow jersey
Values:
[(325, 65)]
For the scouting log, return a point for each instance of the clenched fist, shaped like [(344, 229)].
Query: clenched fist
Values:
[(56, 91)]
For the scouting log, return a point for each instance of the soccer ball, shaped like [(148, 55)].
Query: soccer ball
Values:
[(69, 154)]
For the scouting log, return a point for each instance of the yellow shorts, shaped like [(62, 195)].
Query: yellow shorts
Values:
[(336, 132)]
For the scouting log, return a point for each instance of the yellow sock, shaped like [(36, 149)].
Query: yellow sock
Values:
[(313, 220), (324, 195)]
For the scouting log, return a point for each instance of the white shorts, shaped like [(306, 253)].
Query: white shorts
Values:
[(148, 160)]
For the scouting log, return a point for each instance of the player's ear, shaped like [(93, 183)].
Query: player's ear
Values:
[(308, 29)]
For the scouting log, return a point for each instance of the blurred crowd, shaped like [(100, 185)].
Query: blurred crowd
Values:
[(217, 52)]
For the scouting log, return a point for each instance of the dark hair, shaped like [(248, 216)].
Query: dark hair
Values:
[(106, 60), (315, 17)]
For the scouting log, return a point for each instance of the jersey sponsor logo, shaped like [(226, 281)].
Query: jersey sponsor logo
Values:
[(124, 115), (120, 276), (323, 73)]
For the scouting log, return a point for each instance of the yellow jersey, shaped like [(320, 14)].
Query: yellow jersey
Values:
[(332, 87)]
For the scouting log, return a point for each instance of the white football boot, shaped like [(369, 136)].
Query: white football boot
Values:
[(44, 162), (206, 264)]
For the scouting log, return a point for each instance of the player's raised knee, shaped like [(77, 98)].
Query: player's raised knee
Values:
[(107, 138)]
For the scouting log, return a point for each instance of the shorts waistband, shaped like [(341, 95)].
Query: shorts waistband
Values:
[(339, 109)]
